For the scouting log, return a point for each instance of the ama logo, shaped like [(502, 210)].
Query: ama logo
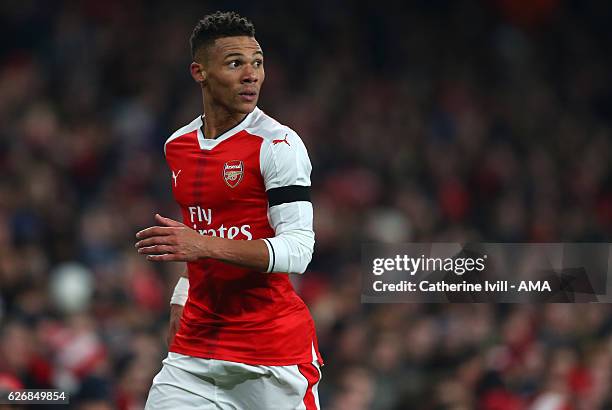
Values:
[(233, 171)]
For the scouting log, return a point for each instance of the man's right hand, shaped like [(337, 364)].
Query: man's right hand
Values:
[(176, 311)]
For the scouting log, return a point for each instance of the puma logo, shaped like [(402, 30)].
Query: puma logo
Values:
[(283, 140)]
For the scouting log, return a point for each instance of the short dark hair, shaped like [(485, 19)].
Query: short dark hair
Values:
[(218, 25)]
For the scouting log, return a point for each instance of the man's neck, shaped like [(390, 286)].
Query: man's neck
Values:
[(218, 121)]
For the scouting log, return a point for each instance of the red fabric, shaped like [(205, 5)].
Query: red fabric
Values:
[(233, 313), (500, 399), (454, 200), (41, 370), (580, 380), (310, 372)]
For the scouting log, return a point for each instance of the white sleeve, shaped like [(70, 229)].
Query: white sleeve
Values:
[(181, 292), (285, 166)]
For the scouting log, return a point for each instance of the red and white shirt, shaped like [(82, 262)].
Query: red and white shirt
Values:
[(249, 183)]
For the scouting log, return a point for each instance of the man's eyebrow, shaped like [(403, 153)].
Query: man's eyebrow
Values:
[(242, 55)]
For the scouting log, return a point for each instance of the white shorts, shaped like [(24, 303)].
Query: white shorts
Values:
[(186, 382)]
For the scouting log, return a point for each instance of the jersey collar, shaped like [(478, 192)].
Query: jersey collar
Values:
[(209, 143)]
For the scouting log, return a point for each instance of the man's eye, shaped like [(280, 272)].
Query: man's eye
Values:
[(234, 64), (258, 63)]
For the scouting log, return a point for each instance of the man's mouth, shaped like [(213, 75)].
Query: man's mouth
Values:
[(248, 95)]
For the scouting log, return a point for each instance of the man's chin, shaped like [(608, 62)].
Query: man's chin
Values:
[(246, 108)]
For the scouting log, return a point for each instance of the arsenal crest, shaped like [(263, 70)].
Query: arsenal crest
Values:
[(233, 171)]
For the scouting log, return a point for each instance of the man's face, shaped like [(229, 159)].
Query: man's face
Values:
[(234, 73)]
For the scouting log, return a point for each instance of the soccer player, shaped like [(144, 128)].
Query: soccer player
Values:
[(245, 339)]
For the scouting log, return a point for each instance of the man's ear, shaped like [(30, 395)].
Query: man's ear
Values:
[(198, 72)]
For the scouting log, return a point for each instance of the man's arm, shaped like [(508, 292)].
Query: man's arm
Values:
[(174, 241), (177, 302)]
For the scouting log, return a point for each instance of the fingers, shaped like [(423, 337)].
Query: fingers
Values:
[(157, 240), (154, 231), (167, 221), (161, 243), (168, 257), (157, 249)]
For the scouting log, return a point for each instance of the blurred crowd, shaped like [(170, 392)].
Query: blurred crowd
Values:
[(434, 120)]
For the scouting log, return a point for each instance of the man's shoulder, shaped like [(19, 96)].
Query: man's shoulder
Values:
[(186, 129), (269, 129)]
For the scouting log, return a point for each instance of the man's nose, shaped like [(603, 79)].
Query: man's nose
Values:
[(249, 75)]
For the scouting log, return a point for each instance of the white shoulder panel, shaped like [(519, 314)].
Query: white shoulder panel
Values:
[(283, 157), (192, 126)]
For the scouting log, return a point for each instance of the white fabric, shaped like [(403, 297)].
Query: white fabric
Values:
[(284, 159), (192, 126), (284, 162), (208, 144), (270, 255), (294, 241), (186, 382), (181, 292)]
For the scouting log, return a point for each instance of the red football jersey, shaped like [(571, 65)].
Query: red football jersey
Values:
[(233, 313)]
